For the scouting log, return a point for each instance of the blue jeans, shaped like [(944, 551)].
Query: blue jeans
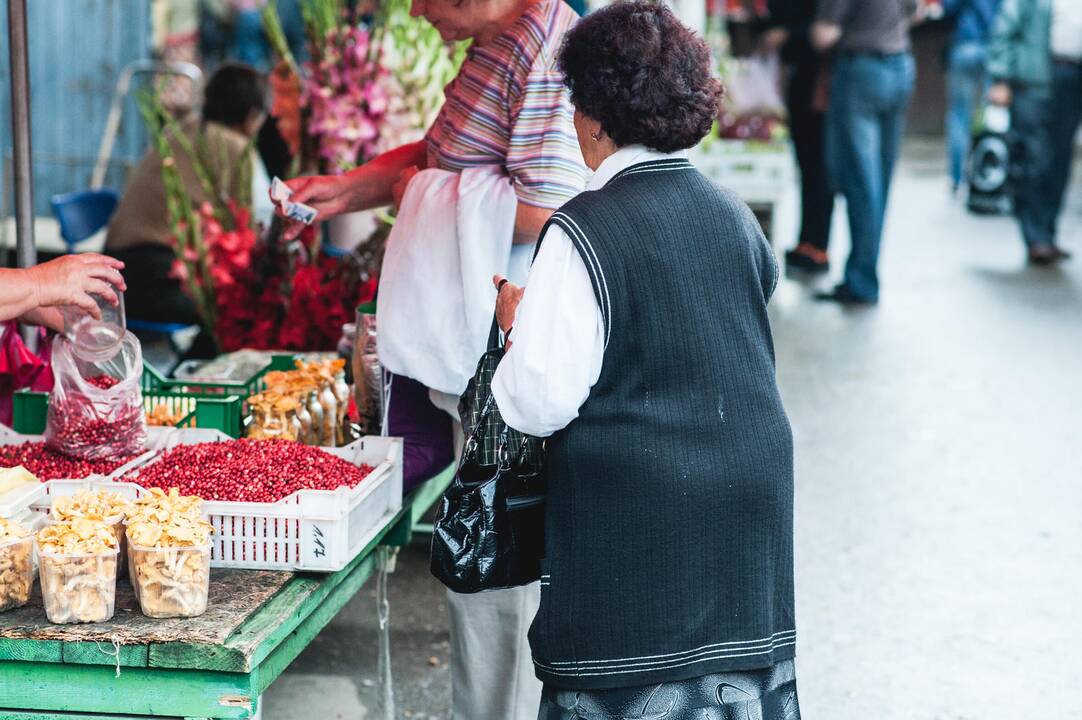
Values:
[(966, 81), (868, 100), (249, 44), (1045, 124)]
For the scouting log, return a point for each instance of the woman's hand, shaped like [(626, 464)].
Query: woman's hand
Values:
[(772, 40), (327, 194), (825, 35), (72, 279), (47, 317), (398, 191), (508, 296)]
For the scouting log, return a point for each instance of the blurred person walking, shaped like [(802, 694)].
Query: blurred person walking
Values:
[(967, 75), (872, 83), (789, 31), (250, 45), (1035, 61)]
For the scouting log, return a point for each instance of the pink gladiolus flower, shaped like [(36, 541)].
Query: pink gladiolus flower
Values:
[(376, 97)]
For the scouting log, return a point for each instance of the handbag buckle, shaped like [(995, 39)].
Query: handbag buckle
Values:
[(503, 457)]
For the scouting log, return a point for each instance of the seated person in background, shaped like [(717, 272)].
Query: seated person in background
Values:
[(139, 233)]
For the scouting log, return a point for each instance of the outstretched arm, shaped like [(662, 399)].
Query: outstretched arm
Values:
[(68, 280), (369, 186)]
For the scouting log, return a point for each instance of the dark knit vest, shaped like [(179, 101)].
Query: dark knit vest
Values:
[(670, 504)]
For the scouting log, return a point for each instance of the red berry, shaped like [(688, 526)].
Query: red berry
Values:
[(86, 427), (249, 470), (48, 464)]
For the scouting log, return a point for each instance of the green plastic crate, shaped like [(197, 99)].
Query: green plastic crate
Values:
[(155, 381), (222, 412)]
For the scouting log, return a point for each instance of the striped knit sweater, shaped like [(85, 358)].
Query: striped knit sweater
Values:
[(669, 515), (509, 107)]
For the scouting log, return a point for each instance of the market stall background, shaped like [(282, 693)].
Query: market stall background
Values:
[(104, 36), (107, 35), (264, 641)]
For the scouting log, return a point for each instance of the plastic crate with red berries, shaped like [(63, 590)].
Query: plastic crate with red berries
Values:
[(46, 464), (274, 505)]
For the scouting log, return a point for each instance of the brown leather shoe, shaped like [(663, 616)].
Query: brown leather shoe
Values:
[(807, 257), (1046, 255)]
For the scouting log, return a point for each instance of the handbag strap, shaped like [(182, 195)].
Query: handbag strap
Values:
[(494, 334), (472, 443)]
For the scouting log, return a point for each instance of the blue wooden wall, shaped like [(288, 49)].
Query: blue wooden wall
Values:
[(77, 50)]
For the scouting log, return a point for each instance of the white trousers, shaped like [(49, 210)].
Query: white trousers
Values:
[(491, 667)]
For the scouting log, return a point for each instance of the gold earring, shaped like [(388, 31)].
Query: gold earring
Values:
[(596, 137)]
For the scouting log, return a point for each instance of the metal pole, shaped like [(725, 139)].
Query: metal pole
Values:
[(116, 110), (26, 251)]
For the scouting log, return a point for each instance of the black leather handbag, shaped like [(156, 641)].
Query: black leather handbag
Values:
[(489, 530)]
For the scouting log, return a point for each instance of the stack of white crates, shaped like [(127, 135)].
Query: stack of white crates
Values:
[(759, 172)]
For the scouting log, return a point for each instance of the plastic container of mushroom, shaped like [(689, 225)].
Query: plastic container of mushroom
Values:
[(78, 588), (170, 582), (16, 571)]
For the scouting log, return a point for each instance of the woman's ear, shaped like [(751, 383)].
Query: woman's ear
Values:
[(593, 128)]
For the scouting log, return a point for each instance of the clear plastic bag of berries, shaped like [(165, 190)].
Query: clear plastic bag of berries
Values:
[(96, 406)]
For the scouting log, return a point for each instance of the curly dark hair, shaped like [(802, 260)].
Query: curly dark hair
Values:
[(633, 67)]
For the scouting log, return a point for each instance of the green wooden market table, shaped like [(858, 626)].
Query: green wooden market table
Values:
[(215, 666)]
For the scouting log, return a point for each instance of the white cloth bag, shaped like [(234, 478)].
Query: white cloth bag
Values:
[(453, 232)]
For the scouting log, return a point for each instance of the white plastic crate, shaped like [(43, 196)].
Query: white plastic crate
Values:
[(166, 438), (10, 437), (30, 520), (312, 530), (14, 503), (17, 501), (758, 172)]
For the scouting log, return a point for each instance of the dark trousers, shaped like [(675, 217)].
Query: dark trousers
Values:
[(807, 126), (152, 295), (766, 694), (868, 100), (1045, 125), (425, 429)]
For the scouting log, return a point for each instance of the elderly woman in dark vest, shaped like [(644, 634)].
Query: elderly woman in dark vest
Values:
[(641, 347)]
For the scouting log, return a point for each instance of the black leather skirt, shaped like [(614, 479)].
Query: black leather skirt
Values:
[(767, 694)]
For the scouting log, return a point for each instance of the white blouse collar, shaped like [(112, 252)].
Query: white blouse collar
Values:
[(624, 158)]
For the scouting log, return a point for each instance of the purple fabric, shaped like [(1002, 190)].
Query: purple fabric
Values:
[(429, 446)]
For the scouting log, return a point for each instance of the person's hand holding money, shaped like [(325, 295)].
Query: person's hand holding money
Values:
[(325, 195)]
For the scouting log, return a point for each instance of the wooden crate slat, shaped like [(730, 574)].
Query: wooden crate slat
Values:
[(64, 687)]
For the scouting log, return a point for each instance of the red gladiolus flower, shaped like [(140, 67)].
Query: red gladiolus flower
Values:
[(179, 271)]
